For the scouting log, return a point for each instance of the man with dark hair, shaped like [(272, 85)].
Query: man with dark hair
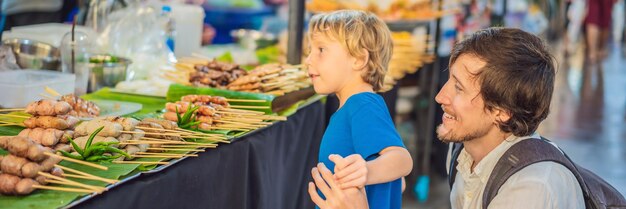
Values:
[(499, 91)]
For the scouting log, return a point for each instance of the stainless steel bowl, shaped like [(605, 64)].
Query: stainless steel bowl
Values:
[(253, 39), (107, 74), (34, 55)]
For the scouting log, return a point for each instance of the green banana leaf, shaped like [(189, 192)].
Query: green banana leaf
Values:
[(150, 104), (268, 54), (43, 199)]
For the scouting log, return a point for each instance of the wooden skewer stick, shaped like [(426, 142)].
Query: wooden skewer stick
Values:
[(246, 100), (270, 76), (242, 118), (166, 140), (56, 182), (276, 92), (78, 161), (155, 156), (174, 149), (46, 96), (185, 133), (240, 110), (151, 133), (73, 183), (226, 124), (4, 123), (227, 127), (216, 136), (14, 116), (131, 142), (202, 137), (237, 123), (235, 113), (152, 153), (140, 162), (249, 107), (210, 139), (188, 146), (52, 92), (81, 177), (14, 109), (254, 121), (164, 143), (12, 123), (250, 121), (136, 143), (270, 117), (86, 175), (199, 133), (64, 189), (224, 128), (232, 127), (158, 129)]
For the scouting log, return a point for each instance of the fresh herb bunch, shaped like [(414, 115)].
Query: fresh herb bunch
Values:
[(188, 120), (95, 152)]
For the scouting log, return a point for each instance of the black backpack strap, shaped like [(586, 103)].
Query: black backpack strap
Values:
[(521, 155), (456, 150)]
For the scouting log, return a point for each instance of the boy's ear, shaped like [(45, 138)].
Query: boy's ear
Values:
[(361, 62)]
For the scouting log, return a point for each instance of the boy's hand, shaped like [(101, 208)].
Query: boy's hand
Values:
[(350, 171)]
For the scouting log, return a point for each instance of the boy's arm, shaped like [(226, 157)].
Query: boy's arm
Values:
[(353, 171), (393, 163)]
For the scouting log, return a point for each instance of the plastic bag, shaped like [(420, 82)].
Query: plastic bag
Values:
[(7, 59), (136, 33)]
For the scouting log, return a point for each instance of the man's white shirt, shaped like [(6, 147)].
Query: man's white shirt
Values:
[(545, 185)]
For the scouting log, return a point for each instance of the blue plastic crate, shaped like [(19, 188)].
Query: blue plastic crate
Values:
[(226, 19)]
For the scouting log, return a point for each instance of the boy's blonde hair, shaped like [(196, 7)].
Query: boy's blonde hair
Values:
[(358, 31)]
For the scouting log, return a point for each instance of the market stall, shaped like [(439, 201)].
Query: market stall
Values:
[(140, 118)]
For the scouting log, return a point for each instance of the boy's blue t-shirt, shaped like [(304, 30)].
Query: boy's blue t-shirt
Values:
[(363, 126)]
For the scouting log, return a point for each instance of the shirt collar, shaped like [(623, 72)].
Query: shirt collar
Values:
[(487, 164)]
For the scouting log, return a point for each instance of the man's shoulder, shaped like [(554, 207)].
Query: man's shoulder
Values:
[(547, 184), (545, 175)]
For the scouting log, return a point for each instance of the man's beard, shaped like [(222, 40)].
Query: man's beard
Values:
[(450, 137)]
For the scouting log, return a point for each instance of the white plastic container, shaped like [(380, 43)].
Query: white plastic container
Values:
[(50, 33), (189, 25), (20, 87)]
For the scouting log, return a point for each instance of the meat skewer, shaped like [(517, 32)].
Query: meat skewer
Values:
[(128, 124), (111, 129), (13, 185), (169, 125), (23, 147), (215, 74), (82, 108), (48, 107), (61, 122)]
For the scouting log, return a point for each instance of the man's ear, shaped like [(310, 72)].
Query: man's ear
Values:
[(361, 62), (502, 115)]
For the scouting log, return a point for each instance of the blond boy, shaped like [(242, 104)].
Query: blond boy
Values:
[(349, 55)]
